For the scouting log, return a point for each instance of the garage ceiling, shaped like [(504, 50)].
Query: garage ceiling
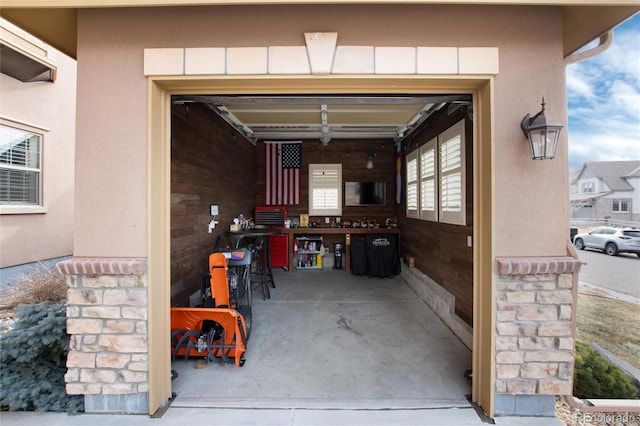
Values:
[(325, 117)]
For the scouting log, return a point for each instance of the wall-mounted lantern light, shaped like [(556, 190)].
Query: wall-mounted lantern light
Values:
[(371, 154), (543, 137)]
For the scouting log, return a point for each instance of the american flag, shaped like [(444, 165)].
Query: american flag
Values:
[(283, 161)]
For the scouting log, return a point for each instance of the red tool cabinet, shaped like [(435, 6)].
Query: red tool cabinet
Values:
[(279, 255), (274, 217)]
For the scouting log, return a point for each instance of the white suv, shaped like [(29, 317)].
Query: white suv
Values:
[(610, 240)]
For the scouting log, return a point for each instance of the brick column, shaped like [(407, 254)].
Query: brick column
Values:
[(535, 335), (107, 321)]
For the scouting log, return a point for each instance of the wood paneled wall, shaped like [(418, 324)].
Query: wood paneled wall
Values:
[(440, 249), (209, 165), (352, 155)]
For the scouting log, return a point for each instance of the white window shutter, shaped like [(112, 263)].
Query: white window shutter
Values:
[(428, 194), (325, 189), (452, 179), (412, 185)]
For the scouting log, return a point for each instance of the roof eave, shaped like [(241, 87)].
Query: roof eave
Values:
[(57, 27), (55, 21), (583, 24)]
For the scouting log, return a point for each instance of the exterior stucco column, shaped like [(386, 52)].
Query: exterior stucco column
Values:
[(107, 322), (534, 334)]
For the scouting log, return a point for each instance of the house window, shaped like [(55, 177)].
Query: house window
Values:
[(20, 166), (451, 150), (325, 189), (588, 187), (436, 178), (412, 185), (620, 206), (428, 194)]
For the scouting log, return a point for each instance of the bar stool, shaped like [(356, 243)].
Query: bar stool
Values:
[(258, 264), (267, 258)]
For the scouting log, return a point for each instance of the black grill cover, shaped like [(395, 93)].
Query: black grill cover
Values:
[(382, 255), (358, 257)]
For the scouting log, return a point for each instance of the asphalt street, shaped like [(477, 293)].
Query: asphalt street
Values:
[(616, 274)]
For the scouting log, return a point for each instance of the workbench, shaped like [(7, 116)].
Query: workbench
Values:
[(344, 233)]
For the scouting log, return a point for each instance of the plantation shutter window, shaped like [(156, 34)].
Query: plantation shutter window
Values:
[(428, 206), (435, 183), (325, 189), (452, 188), (20, 166), (412, 185)]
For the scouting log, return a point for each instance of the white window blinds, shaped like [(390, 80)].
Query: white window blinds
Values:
[(436, 178), (451, 174), (20, 166), (412, 185), (428, 206), (325, 189)]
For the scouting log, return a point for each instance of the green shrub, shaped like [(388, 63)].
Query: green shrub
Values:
[(33, 357), (595, 377)]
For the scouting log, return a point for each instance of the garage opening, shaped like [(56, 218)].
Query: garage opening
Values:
[(328, 338)]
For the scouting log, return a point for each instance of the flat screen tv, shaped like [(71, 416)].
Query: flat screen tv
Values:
[(365, 193)]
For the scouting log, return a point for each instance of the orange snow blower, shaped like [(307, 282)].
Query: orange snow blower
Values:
[(221, 331), (213, 333)]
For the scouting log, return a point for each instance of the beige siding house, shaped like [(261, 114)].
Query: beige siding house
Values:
[(37, 149), (607, 191), (518, 306)]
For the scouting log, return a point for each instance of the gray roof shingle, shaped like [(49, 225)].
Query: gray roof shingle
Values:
[(614, 172)]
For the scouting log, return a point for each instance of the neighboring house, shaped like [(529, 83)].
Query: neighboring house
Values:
[(607, 190), (151, 149), (37, 152)]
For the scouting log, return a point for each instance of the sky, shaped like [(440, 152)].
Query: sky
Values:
[(603, 93)]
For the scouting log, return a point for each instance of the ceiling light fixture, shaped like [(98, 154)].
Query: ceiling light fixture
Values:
[(371, 154)]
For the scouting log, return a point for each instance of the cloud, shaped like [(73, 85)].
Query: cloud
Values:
[(578, 84), (604, 101), (626, 97)]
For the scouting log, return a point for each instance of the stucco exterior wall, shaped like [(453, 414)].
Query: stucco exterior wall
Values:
[(530, 199), (111, 214), (26, 238)]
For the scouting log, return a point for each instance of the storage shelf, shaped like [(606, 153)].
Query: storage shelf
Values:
[(304, 255)]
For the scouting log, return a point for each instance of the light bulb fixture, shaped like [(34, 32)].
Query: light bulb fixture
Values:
[(371, 154), (542, 137), (369, 163)]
